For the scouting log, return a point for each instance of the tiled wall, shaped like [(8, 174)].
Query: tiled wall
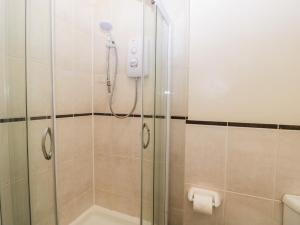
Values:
[(251, 167), (242, 69), (237, 47), (117, 141), (73, 93), (75, 167), (117, 164)]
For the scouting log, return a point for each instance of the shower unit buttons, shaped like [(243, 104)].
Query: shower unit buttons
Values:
[(135, 58)]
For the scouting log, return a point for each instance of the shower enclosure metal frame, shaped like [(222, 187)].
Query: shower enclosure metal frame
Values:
[(0, 212), (164, 14)]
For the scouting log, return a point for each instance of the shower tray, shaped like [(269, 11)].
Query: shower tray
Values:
[(100, 216)]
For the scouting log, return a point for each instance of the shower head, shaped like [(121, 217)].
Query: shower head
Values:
[(105, 26)]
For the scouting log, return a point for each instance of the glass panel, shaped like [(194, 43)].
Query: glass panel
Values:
[(161, 85), (155, 116), (40, 112), (14, 191), (148, 114), (25, 71)]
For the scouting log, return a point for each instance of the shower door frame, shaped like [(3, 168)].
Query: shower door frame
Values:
[(162, 11), (52, 114), (0, 213)]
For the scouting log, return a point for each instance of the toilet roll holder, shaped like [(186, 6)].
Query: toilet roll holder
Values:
[(216, 198)]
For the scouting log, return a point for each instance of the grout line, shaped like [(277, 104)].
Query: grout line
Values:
[(231, 192), (93, 104), (250, 196), (275, 171), (210, 123), (191, 122), (11, 120), (226, 170), (245, 125)]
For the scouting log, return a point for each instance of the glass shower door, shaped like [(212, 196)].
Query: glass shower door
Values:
[(27, 181), (156, 116), (40, 113), (14, 189)]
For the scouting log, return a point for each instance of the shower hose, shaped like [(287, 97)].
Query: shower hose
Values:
[(111, 91)]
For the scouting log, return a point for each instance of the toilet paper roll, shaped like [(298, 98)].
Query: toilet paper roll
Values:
[(203, 204)]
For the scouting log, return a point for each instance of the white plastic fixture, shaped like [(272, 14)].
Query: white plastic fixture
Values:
[(135, 67), (106, 26), (291, 210), (215, 195)]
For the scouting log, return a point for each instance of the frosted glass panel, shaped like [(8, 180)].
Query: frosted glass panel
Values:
[(14, 190)]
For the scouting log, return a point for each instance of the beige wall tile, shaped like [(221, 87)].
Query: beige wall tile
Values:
[(39, 88), (243, 210), (17, 150), (104, 199), (148, 180), (102, 132), (6, 205), (64, 89), (66, 181), (288, 166), (83, 201), (3, 98), (14, 174), (104, 173), (176, 191), (175, 217), (236, 61), (118, 203), (15, 34), (179, 14), (251, 161), (72, 209), (42, 197), (205, 155), (177, 142), (82, 93), (20, 202), (278, 213), (16, 87), (83, 138), (4, 156), (126, 177), (125, 141), (65, 139), (63, 44)]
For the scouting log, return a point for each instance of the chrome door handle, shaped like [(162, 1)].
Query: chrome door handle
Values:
[(47, 154), (145, 127)]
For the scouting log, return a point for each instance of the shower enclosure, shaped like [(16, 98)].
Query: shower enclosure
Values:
[(29, 158)]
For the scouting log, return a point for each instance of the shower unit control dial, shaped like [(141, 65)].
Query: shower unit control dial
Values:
[(134, 63), (135, 58)]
